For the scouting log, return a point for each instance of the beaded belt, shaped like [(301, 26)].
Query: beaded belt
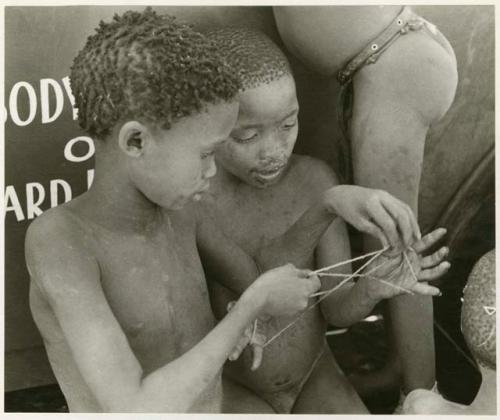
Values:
[(403, 23)]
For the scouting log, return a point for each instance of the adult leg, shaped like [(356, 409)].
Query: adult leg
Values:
[(395, 102)]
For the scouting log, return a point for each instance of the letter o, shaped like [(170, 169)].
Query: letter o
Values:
[(13, 103), (68, 149)]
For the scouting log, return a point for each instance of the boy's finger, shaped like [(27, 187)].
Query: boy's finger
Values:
[(414, 222), (434, 259), (373, 230), (257, 351), (239, 348), (314, 282), (425, 289), (435, 272), (428, 240), (386, 223), (304, 273), (400, 214)]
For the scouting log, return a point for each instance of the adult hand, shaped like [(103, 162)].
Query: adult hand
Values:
[(395, 274), (375, 212)]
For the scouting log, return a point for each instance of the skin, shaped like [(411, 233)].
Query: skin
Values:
[(117, 288), (386, 122), (426, 402), (261, 194)]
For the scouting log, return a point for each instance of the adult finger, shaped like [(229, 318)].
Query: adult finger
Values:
[(385, 222), (425, 289), (435, 272), (399, 213), (435, 258), (429, 240)]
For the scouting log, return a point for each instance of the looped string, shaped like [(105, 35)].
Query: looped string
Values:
[(322, 272), (327, 293)]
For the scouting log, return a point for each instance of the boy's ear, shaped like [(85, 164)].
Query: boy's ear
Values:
[(131, 138)]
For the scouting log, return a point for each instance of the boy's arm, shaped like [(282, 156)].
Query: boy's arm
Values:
[(68, 276), (350, 303), (353, 301), (371, 211), (223, 260)]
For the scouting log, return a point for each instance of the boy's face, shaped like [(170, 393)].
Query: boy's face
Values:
[(263, 138), (179, 162)]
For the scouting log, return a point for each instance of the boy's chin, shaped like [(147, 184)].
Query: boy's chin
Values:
[(179, 203)]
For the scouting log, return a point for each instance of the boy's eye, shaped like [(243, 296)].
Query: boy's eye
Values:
[(207, 154), (290, 124), (244, 139)]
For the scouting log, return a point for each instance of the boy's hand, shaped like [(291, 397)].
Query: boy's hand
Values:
[(375, 212), (252, 336), (283, 291), (390, 275)]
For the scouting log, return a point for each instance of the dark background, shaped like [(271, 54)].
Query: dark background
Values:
[(40, 42)]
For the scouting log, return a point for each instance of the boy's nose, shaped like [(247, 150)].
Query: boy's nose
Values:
[(270, 149)]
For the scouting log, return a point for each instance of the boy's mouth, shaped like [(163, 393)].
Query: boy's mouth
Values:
[(201, 192), (270, 173)]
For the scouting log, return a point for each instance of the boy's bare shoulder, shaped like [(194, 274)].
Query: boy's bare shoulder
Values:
[(53, 227), (314, 173), (56, 249)]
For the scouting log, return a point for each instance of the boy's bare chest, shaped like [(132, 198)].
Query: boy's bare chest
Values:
[(157, 291), (251, 223)]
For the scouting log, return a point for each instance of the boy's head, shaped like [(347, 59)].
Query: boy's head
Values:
[(478, 321), (160, 92), (263, 138)]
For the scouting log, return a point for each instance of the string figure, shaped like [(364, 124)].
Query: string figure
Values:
[(324, 272)]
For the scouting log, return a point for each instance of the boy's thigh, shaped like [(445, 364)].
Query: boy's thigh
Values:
[(238, 399), (328, 391)]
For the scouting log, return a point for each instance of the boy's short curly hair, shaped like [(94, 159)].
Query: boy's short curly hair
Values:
[(146, 66), (251, 54)]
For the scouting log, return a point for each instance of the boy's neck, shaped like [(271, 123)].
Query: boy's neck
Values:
[(116, 203)]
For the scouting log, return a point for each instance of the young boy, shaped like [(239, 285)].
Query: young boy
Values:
[(479, 329), (261, 194), (117, 287)]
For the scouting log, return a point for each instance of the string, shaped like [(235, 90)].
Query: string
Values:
[(367, 275), (374, 255), (457, 347), (361, 257)]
